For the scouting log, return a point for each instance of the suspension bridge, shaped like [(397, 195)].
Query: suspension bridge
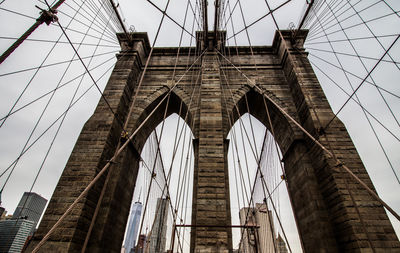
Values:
[(224, 118)]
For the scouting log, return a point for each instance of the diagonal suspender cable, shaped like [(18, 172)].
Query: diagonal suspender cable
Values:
[(339, 163), (108, 164)]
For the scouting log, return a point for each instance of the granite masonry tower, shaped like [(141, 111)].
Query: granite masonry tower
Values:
[(333, 212)]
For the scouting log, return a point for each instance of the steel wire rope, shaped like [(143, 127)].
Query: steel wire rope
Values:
[(259, 19), (257, 159), (351, 26), (111, 32), (193, 84), (104, 169), (35, 126), (60, 42), (125, 125), (226, 106), (355, 90), (356, 38), (54, 64), (354, 55), (86, 25), (383, 98), (131, 107), (360, 78), (49, 92), (169, 17), (58, 129), (234, 137), (90, 75), (326, 17), (246, 101), (242, 182), (53, 123), (313, 139), (102, 18), (183, 129), (17, 13), (33, 76)]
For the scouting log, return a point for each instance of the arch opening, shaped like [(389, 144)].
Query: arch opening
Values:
[(258, 200), (163, 191)]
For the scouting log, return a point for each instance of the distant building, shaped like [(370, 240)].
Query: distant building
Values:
[(141, 246), (133, 227), (30, 207), (281, 245), (158, 234), (259, 237), (14, 234)]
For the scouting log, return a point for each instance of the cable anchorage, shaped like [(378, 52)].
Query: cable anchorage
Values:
[(47, 16)]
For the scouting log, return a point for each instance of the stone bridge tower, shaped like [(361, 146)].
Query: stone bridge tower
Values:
[(333, 213)]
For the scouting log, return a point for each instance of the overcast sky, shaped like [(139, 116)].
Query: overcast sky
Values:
[(16, 129)]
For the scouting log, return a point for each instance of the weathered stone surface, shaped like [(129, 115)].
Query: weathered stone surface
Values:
[(333, 213)]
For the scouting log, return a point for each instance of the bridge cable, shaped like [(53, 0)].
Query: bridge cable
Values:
[(355, 177), (36, 124), (59, 127)]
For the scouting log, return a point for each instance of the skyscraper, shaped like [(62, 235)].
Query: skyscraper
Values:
[(133, 227), (260, 236), (13, 234), (158, 234), (30, 207)]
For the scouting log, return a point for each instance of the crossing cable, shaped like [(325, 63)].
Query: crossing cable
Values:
[(57, 88), (338, 161), (369, 73), (35, 126), (55, 64), (90, 75), (352, 26), (44, 17), (355, 101), (352, 39), (319, 30), (56, 120), (158, 154), (325, 15), (345, 180), (234, 137), (360, 78), (34, 75), (258, 159), (164, 12), (109, 35), (59, 127), (354, 55), (365, 68), (187, 162), (354, 92), (259, 19), (60, 42), (183, 129), (390, 110), (255, 65), (125, 125), (105, 168)]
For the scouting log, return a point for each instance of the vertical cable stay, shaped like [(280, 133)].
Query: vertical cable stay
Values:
[(373, 194), (38, 120)]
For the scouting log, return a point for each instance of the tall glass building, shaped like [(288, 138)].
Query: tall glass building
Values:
[(133, 227), (30, 207), (14, 233)]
